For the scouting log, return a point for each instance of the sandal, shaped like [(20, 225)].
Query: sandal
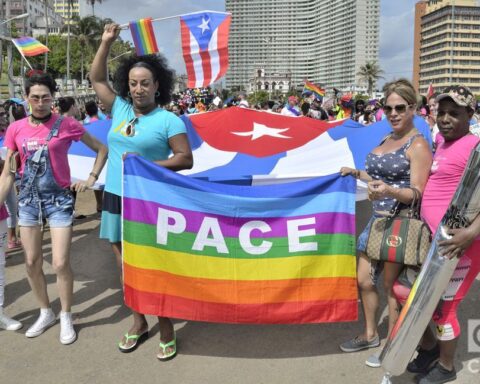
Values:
[(139, 339), (172, 353)]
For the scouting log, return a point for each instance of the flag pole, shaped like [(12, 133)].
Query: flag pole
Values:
[(126, 26), (21, 54)]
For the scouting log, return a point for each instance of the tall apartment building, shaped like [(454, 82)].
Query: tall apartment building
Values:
[(325, 41), (78, 8), (449, 49), (35, 22)]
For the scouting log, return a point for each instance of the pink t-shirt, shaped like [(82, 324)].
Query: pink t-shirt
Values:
[(447, 169), (26, 139), (3, 212)]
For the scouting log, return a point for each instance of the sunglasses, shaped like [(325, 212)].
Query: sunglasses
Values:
[(129, 129), (399, 108)]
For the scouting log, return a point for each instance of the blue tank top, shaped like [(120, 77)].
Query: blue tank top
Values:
[(392, 168)]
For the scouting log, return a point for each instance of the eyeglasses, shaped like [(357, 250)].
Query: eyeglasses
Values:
[(129, 129), (36, 99), (399, 108)]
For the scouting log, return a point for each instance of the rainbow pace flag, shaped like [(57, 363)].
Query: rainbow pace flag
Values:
[(143, 37), (319, 92), (204, 251), (28, 46)]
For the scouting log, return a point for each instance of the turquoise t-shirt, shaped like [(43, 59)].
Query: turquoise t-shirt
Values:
[(149, 138)]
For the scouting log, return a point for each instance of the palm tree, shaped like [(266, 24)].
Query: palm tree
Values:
[(92, 3), (88, 31), (370, 73)]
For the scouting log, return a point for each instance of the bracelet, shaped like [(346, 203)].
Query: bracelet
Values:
[(357, 174), (94, 175)]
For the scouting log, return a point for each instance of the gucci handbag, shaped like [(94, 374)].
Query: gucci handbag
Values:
[(400, 237)]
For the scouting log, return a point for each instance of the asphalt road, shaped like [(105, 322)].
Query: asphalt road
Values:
[(208, 353)]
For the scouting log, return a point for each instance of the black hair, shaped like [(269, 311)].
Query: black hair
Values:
[(41, 79), (17, 110), (91, 108), (157, 65), (65, 103), (305, 108)]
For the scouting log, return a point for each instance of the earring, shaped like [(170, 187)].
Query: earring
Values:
[(157, 94)]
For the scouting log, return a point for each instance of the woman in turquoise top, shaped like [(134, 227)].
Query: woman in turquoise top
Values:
[(138, 125)]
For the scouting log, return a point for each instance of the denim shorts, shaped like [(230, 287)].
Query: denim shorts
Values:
[(376, 267), (57, 209)]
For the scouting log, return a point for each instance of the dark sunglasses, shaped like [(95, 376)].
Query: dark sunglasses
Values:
[(399, 108), (130, 127)]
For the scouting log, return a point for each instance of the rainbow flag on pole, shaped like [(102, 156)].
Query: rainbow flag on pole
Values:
[(216, 252), (28, 46), (143, 37), (317, 91)]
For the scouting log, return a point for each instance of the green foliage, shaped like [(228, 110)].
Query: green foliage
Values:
[(370, 73), (84, 41), (258, 97)]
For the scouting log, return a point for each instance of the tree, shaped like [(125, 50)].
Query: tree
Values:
[(370, 73), (88, 32), (92, 3)]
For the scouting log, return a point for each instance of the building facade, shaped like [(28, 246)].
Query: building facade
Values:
[(324, 41), (34, 24), (450, 45)]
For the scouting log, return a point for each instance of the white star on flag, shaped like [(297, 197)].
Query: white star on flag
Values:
[(204, 26), (260, 130)]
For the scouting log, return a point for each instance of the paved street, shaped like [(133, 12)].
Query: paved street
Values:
[(208, 353)]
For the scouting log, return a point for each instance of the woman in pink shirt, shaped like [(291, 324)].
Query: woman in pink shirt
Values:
[(41, 142), (455, 109)]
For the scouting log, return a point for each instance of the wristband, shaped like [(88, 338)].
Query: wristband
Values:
[(94, 175)]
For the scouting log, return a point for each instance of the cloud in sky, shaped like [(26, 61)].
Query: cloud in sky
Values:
[(396, 28)]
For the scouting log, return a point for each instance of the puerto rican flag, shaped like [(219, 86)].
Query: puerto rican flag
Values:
[(205, 46)]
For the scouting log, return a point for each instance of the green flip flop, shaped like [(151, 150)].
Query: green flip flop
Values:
[(164, 347), (139, 339)]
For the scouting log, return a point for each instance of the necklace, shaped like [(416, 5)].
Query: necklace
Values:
[(39, 120)]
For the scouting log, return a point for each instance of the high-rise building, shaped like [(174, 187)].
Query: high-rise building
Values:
[(77, 8), (34, 24), (449, 50), (325, 41)]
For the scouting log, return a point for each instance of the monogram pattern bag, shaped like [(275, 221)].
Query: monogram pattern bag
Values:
[(400, 237)]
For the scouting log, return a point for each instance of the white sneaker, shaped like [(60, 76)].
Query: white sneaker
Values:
[(44, 321), (8, 323), (373, 361), (67, 332)]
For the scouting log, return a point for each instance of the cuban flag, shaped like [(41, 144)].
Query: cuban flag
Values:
[(250, 147), (205, 46)]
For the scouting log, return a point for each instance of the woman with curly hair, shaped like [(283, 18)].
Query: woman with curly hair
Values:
[(139, 125)]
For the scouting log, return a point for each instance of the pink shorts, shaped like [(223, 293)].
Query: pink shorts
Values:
[(445, 315)]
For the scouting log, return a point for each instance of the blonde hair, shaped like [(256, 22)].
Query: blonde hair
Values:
[(402, 88)]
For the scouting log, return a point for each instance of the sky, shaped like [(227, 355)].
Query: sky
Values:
[(396, 28)]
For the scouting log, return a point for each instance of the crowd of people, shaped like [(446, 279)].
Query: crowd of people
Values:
[(36, 188)]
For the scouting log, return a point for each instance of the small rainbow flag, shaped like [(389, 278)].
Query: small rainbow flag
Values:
[(319, 92), (143, 37), (28, 46), (205, 251)]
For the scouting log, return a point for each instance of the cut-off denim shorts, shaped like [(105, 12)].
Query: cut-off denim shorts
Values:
[(57, 209), (376, 267)]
